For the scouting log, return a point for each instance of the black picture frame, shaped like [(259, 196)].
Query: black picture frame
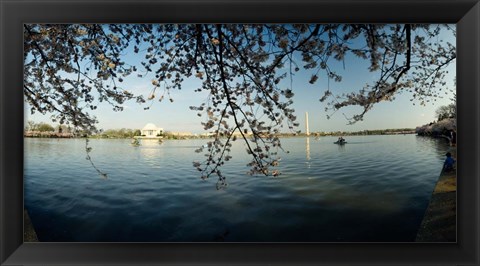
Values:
[(465, 13)]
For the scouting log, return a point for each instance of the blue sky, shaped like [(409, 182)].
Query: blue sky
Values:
[(177, 116)]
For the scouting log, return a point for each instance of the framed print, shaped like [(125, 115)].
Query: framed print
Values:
[(229, 132)]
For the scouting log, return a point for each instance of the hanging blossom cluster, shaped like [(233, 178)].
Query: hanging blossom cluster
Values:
[(72, 68), (406, 58)]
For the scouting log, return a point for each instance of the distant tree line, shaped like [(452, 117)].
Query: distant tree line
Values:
[(445, 124), (45, 127), (389, 131), (118, 133), (440, 128), (44, 130)]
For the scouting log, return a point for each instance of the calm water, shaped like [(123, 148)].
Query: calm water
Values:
[(375, 188)]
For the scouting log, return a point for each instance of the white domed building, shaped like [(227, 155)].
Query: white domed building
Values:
[(150, 130)]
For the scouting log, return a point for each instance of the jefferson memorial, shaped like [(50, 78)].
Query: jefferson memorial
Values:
[(151, 131)]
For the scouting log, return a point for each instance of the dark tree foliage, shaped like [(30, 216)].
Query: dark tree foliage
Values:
[(446, 111), (70, 69), (44, 127)]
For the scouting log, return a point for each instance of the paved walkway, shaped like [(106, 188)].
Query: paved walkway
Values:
[(29, 234), (440, 221)]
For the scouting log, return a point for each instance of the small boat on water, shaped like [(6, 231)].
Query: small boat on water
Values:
[(340, 142)]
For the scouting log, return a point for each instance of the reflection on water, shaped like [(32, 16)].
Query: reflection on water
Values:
[(150, 148), (341, 148), (307, 147), (375, 188)]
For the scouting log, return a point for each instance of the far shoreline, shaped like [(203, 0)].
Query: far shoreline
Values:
[(53, 135)]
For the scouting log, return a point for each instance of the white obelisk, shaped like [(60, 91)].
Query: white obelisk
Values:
[(307, 131)]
